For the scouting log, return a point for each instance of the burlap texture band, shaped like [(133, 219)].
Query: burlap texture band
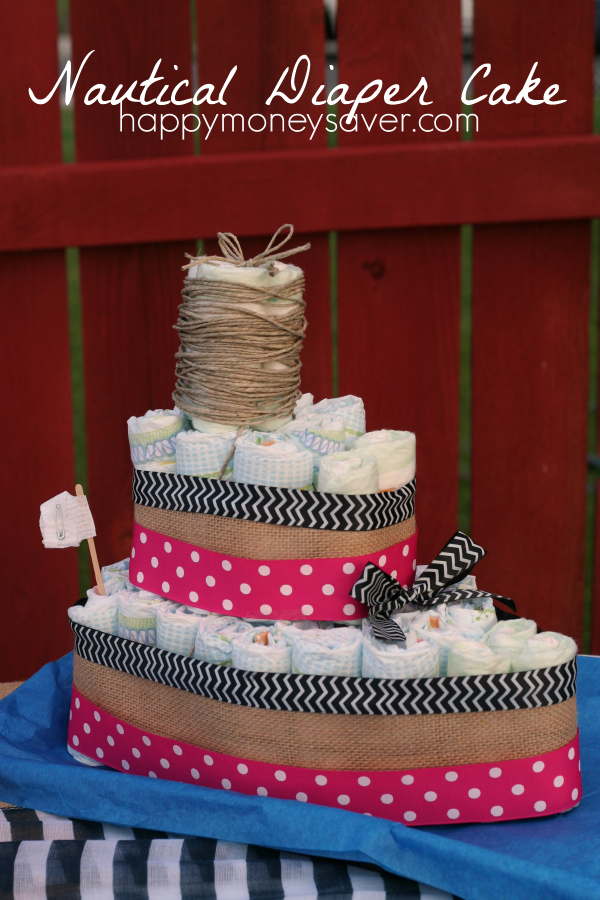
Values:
[(257, 540), (335, 742)]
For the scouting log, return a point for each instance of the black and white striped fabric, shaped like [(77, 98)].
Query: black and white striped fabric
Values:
[(273, 505), (44, 856), (329, 693), (383, 595)]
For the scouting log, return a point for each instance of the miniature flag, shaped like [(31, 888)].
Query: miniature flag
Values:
[(66, 521)]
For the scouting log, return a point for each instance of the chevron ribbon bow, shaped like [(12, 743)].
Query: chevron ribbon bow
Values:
[(384, 595)]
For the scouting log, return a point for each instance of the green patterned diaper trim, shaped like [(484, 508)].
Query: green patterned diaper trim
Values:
[(150, 437), (216, 474), (137, 624), (393, 467)]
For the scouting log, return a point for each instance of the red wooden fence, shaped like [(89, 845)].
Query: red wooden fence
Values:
[(529, 182)]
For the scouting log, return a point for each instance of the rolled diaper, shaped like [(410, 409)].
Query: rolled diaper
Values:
[(348, 473), (337, 651), (215, 636), (292, 630), (305, 401), (472, 623), (153, 438), (405, 618), (261, 650), (443, 636), (386, 659), (121, 566), (271, 459), (137, 616), (81, 758), (548, 648), (350, 408), (474, 658), (177, 626), (116, 578), (99, 612), (510, 636), (319, 434), (204, 455), (396, 456)]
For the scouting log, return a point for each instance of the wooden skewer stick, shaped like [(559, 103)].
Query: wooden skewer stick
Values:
[(93, 554)]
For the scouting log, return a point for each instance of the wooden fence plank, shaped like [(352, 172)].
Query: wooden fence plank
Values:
[(530, 321), (399, 292), (34, 366), (273, 37), (129, 294), (392, 187)]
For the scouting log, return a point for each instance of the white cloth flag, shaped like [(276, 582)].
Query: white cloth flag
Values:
[(66, 521)]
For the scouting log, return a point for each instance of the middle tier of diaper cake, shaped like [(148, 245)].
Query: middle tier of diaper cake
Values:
[(264, 552)]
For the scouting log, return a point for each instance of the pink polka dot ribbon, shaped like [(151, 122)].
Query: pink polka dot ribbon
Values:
[(255, 589), (485, 792)]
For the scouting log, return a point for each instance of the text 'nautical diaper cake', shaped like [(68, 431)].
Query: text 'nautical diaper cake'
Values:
[(271, 632)]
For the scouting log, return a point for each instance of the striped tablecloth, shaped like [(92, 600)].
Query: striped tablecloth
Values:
[(45, 856)]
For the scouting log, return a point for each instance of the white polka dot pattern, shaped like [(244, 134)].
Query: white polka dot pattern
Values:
[(480, 792), (187, 572)]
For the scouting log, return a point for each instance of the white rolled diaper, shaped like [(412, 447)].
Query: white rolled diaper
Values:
[(336, 651), (510, 636), (305, 401), (271, 459), (350, 408), (249, 653), (214, 638), (204, 455), (474, 658), (99, 612), (319, 434), (472, 623), (405, 618), (137, 615), (347, 472), (152, 438), (396, 456), (116, 578), (177, 626), (385, 659), (443, 637), (81, 758), (548, 648)]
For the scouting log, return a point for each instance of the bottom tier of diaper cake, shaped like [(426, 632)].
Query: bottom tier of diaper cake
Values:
[(422, 751)]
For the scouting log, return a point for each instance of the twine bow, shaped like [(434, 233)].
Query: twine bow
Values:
[(232, 252), (384, 595)]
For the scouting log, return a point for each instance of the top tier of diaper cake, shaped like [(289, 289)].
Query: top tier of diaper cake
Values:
[(251, 498)]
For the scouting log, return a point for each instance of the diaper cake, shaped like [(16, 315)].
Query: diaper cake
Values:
[(271, 632)]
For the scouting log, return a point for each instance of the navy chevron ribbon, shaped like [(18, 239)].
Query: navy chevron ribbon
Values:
[(384, 595)]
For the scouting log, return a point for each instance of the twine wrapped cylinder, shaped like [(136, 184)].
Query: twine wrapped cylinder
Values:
[(241, 327)]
